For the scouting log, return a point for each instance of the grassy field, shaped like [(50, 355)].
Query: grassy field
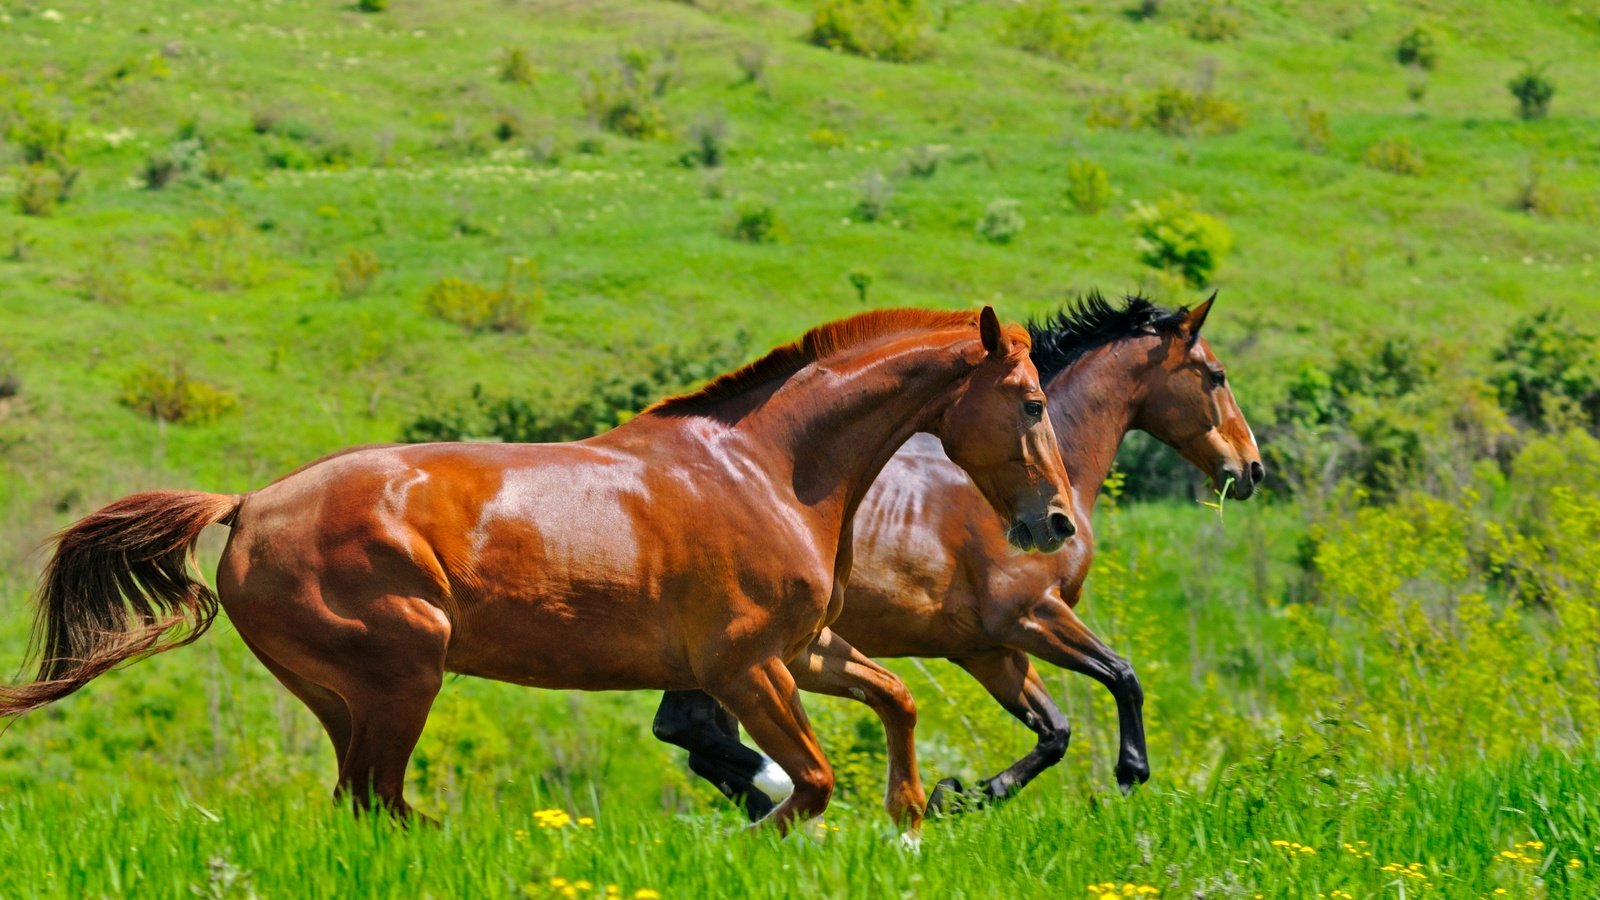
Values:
[(227, 161)]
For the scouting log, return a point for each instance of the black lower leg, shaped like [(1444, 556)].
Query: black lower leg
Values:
[(696, 722)]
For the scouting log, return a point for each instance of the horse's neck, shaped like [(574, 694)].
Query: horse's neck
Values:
[(1092, 407)]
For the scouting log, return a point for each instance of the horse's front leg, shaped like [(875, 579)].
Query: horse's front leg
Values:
[(1052, 631), (696, 722), (765, 700), (832, 666), (1009, 677)]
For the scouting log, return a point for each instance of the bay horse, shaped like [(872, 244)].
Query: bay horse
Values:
[(705, 544), (934, 577)]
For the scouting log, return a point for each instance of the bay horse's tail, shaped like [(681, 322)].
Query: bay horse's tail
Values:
[(120, 587)]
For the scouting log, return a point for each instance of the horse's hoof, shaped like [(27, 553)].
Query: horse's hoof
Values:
[(949, 797), (1130, 777)]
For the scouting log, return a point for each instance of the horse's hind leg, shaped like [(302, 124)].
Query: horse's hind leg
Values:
[(764, 699), (696, 722), (328, 707), (1010, 678), (387, 719)]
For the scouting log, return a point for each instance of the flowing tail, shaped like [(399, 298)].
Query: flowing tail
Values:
[(121, 586)]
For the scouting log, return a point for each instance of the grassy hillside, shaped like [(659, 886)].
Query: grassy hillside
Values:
[(236, 171)]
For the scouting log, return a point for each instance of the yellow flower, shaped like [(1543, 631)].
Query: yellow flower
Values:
[(556, 881), (1574, 863), (586, 821), (646, 894), (582, 885)]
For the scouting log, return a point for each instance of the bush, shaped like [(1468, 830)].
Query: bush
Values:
[(1535, 196), (652, 373), (164, 166), (1215, 22), (516, 67), (479, 307), (752, 61), (40, 136), (1416, 49), (876, 194), (827, 139), (354, 273), (1310, 125), (924, 160), (624, 99), (888, 30), (1047, 28), (1175, 236), (708, 142), (861, 280), (1533, 92), (754, 220), (40, 189), (1179, 111), (372, 6), (1395, 155), (1002, 221), (1088, 186), (168, 393), (1547, 371)]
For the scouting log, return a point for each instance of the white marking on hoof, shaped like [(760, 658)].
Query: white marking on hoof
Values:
[(911, 841), (774, 782)]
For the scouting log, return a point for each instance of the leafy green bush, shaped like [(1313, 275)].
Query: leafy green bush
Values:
[(1169, 109), (372, 6), (1215, 21), (40, 189), (516, 67), (168, 393), (877, 192), (923, 161), (621, 102), (1416, 49), (1533, 92), (708, 142), (354, 273), (888, 30), (1395, 155), (480, 307), (40, 135), (1547, 371), (162, 167), (646, 374), (1002, 221), (754, 220), (1047, 28), (1174, 235), (1088, 186)]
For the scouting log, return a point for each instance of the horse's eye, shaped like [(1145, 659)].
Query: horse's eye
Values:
[(1033, 408), (1219, 378)]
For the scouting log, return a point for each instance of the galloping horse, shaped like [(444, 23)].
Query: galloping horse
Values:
[(934, 578), (705, 544)]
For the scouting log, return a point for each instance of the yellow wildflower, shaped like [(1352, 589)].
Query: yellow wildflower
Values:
[(1574, 863), (646, 894), (586, 821)]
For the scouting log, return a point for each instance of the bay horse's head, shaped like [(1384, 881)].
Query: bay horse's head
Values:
[(1189, 406), (997, 430)]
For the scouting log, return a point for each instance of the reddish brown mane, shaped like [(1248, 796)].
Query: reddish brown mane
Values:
[(819, 343)]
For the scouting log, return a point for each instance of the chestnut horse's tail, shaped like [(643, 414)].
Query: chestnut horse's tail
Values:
[(120, 587)]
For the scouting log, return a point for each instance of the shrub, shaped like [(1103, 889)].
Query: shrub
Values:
[(888, 30), (39, 190), (1174, 235), (827, 139), (648, 374), (624, 98), (1047, 28), (876, 194), (860, 279), (1533, 92), (168, 393), (1179, 111), (40, 136), (507, 127), (1088, 186), (1310, 125), (924, 160), (754, 220), (1395, 155), (479, 307), (372, 6), (354, 273), (1416, 49), (708, 142), (1215, 22), (1416, 85), (1535, 196), (516, 67), (752, 61), (1002, 221), (1547, 369), (164, 166)]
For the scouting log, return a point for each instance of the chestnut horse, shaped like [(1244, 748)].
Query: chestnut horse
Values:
[(934, 578), (704, 544)]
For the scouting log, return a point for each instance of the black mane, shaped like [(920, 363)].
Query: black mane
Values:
[(1090, 322)]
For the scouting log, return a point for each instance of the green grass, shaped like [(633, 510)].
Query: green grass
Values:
[(140, 783)]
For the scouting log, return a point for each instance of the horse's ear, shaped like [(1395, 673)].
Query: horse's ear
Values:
[(1197, 317), (994, 337)]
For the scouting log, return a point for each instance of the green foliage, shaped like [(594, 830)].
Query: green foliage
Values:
[(861, 280), (923, 161), (41, 188), (639, 377), (1215, 21), (877, 192), (887, 30), (354, 272), (372, 6), (516, 67), (40, 135), (752, 60), (1536, 196), (1533, 90), (1175, 235), (1547, 371), (168, 393), (1416, 49), (166, 164), (625, 99), (1170, 109), (508, 307), (708, 142), (1088, 186), (1396, 155), (1002, 221), (828, 138), (218, 254), (754, 220), (1311, 130), (1048, 28)]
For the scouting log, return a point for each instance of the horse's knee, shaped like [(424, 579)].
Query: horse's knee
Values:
[(894, 700), (1053, 744), (1125, 684), (813, 789)]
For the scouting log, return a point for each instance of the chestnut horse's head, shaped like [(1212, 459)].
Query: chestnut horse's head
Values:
[(1190, 407), (997, 430)]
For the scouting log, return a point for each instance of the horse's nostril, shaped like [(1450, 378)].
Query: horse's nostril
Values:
[(1061, 526), (1258, 472)]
